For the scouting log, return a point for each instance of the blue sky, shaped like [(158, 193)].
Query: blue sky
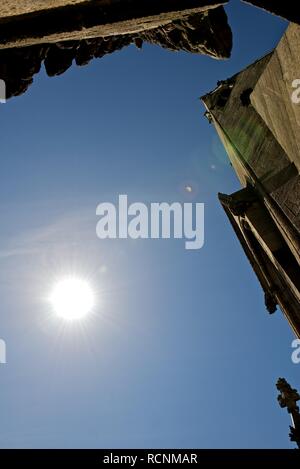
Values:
[(181, 351)]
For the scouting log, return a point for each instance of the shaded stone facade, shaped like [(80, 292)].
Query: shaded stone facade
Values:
[(253, 113)]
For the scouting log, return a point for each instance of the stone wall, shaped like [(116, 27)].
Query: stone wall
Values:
[(96, 18), (272, 97), (197, 28), (21, 7)]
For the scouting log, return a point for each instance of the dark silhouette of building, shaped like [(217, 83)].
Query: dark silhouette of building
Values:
[(288, 398)]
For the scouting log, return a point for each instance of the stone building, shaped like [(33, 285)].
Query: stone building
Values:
[(257, 116)]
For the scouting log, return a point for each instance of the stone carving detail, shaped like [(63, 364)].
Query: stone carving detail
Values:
[(288, 398), (240, 201), (194, 35), (270, 301)]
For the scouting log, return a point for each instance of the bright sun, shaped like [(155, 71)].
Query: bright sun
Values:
[(72, 299)]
